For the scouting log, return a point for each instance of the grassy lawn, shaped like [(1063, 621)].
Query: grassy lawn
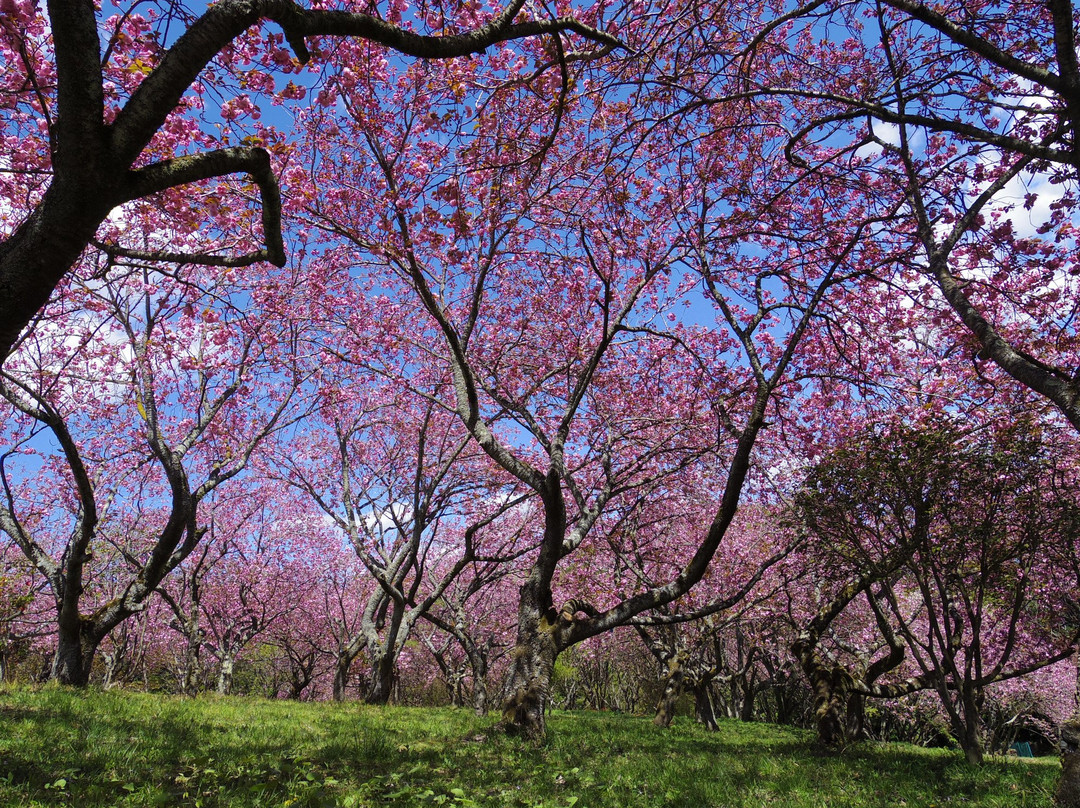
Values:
[(134, 749)]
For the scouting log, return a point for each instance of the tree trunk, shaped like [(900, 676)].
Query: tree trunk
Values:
[(112, 663), (301, 671), (479, 676), (831, 688), (74, 658), (297, 683), (705, 707), (529, 682), (971, 741), (480, 704), (665, 707), (457, 688), (855, 717), (382, 679), (1076, 691), (225, 675), (749, 696), (1067, 794), (973, 753), (36, 256), (341, 677), (192, 670), (967, 726)]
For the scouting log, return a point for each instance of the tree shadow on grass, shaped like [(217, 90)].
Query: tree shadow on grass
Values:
[(752, 765), (185, 754), (177, 752)]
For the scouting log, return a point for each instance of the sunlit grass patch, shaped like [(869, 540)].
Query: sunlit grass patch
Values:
[(59, 747)]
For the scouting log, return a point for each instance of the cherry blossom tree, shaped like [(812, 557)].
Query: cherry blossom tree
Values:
[(966, 113), (120, 423), (698, 637), (468, 634), (332, 628), (947, 533), (420, 507), (460, 654), (252, 570), (546, 268), (100, 110), (20, 607)]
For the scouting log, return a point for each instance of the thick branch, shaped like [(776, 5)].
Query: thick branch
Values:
[(207, 165), (80, 99), (224, 21), (978, 45)]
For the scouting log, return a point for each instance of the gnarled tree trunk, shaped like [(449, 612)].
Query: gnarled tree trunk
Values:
[(74, 659), (529, 682), (479, 664), (1067, 794), (705, 705), (673, 687), (855, 716), (382, 679), (225, 675), (831, 686)]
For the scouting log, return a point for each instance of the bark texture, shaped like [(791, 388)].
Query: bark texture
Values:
[(529, 683), (1067, 794)]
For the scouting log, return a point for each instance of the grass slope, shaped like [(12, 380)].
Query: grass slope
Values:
[(132, 749)]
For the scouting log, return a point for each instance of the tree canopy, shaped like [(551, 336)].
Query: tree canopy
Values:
[(499, 339)]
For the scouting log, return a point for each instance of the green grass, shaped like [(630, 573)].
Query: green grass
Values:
[(132, 749)]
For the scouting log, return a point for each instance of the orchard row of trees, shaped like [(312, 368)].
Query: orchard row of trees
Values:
[(746, 332), (923, 594)]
